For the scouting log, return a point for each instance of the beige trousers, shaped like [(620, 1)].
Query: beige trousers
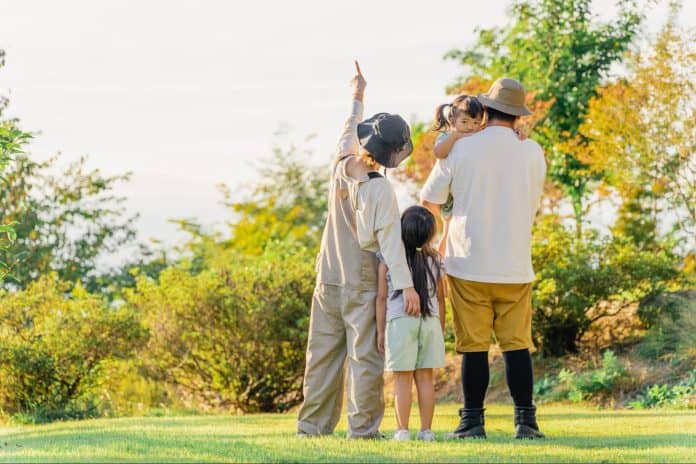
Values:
[(342, 325)]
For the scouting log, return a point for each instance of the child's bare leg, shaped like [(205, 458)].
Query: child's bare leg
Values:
[(402, 397), (426, 396)]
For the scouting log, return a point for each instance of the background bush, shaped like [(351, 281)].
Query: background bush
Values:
[(583, 280), (232, 336), (53, 345)]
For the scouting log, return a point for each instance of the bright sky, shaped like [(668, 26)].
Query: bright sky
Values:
[(188, 94)]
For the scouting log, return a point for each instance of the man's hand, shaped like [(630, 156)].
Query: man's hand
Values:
[(358, 83), (380, 342), (411, 302)]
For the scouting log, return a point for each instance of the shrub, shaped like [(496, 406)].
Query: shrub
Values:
[(672, 332), (582, 280), (124, 390), (52, 348), (234, 335), (681, 395), (545, 387), (593, 383)]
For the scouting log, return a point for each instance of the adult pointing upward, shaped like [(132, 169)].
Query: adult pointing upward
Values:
[(363, 218)]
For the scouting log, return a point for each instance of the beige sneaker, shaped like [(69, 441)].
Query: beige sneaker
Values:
[(402, 435)]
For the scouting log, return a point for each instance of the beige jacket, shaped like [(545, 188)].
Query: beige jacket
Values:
[(363, 219)]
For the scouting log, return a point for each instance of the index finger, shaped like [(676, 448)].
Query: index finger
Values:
[(357, 68)]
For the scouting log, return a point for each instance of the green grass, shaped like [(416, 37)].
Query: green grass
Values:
[(574, 434)]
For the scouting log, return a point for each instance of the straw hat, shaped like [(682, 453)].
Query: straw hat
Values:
[(506, 95)]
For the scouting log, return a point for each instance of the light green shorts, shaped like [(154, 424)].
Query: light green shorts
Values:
[(414, 343)]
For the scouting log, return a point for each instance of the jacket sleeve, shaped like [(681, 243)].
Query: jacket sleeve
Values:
[(348, 143), (379, 226)]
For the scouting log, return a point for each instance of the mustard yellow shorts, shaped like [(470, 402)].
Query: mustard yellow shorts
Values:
[(481, 309)]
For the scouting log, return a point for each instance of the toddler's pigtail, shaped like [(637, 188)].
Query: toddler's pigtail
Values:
[(442, 121)]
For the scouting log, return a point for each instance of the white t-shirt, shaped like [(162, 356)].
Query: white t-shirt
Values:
[(497, 181)]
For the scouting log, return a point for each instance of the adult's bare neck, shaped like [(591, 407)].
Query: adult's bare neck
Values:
[(501, 123), (357, 168)]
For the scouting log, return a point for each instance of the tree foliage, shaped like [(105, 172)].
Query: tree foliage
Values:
[(11, 145), (288, 203), (639, 136), (64, 222), (561, 53), (12, 141)]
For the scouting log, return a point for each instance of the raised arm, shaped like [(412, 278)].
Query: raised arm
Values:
[(348, 143)]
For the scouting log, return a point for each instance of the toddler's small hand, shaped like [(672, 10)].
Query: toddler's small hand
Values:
[(520, 135)]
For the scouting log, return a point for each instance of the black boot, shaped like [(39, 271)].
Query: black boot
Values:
[(526, 424), (470, 425)]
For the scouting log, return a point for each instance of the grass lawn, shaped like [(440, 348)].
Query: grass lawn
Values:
[(574, 434)]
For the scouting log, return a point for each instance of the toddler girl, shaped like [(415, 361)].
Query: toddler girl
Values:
[(464, 117), (413, 346)]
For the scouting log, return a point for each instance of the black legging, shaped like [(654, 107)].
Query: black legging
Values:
[(518, 373)]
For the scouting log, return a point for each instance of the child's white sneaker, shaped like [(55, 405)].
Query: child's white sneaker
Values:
[(401, 435), (425, 435)]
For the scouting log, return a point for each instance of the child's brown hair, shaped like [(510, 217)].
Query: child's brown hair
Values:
[(467, 103)]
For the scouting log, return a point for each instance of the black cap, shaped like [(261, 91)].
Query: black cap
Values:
[(387, 138)]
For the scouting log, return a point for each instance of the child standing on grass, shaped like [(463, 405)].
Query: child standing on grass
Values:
[(413, 345)]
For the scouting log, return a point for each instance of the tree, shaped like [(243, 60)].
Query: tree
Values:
[(12, 141), (640, 136), (560, 53), (63, 222), (289, 203)]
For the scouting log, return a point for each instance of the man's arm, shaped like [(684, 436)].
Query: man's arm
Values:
[(348, 144)]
